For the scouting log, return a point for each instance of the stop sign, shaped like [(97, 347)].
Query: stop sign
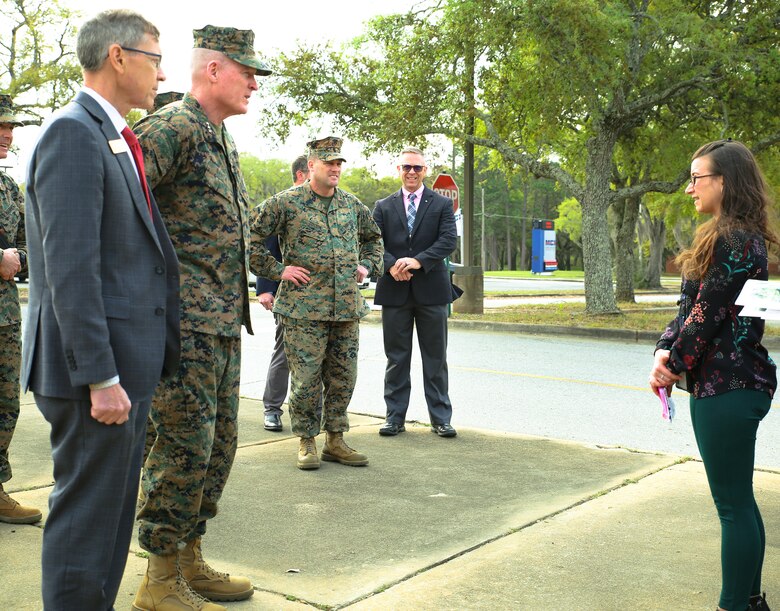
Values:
[(445, 185)]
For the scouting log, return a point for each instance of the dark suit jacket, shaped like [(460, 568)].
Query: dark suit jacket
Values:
[(433, 238), (104, 280), (264, 285)]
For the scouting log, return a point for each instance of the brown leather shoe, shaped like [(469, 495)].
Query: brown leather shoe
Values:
[(207, 582), (14, 513)]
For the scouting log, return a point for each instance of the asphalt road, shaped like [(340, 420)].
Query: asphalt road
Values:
[(590, 391)]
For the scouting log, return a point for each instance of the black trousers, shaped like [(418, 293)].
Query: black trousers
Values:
[(398, 324)]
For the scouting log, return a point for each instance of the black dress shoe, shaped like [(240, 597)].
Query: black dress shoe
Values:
[(758, 603), (444, 430), (273, 422), (389, 429)]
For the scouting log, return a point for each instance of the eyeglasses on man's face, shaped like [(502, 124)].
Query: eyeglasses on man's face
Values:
[(155, 57), (408, 168), (695, 178)]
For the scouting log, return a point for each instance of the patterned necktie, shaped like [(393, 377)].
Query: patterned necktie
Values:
[(411, 213), (138, 156)]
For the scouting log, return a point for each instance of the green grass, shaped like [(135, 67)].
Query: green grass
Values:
[(512, 273), (649, 316), (667, 280)]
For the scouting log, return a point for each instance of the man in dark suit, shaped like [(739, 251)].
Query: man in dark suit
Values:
[(418, 229), (103, 321)]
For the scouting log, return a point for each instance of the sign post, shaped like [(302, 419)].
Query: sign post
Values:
[(445, 185), (469, 278)]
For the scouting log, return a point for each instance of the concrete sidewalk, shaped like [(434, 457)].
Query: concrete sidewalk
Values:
[(482, 521)]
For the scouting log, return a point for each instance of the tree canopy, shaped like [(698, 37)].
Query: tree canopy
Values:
[(607, 97), (266, 177), (38, 66)]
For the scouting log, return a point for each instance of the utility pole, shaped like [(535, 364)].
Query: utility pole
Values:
[(469, 277), (482, 240)]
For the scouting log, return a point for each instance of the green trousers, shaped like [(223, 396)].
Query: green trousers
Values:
[(725, 427)]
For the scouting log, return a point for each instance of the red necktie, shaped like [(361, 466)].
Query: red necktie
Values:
[(138, 155)]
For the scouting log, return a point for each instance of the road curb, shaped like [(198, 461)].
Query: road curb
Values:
[(513, 327), (622, 335)]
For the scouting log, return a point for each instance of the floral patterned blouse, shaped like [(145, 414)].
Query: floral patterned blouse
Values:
[(720, 350)]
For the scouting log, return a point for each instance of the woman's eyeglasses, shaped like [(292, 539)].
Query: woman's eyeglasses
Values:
[(695, 178)]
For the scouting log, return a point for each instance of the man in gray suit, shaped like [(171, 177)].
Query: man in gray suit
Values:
[(103, 309)]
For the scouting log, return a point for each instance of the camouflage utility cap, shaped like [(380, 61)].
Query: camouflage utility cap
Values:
[(238, 45), (7, 114), (326, 149), (162, 99)]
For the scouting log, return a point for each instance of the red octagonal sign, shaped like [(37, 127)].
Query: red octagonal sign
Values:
[(445, 185)]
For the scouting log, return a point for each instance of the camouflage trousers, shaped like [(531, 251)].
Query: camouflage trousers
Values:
[(195, 417), (10, 362), (322, 356)]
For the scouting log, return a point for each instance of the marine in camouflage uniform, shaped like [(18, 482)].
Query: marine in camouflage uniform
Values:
[(160, 100), (163, 99), (325, 240), (13, 247), (193, 168)]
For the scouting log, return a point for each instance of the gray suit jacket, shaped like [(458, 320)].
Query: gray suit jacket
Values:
[(104, 279)]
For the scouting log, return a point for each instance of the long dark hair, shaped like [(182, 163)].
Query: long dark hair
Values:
[(746, 204)]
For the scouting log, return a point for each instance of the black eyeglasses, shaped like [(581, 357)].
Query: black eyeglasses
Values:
[(695, 178), (156, 57), (408, 168)]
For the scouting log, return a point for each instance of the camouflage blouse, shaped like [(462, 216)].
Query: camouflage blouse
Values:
[(12, 227), (330, 240), (192, 167), (720, 350)]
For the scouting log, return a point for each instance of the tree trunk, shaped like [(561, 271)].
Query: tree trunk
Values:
[(628, 214), (493, 256), (655, 263), (596, 256), (508, 232)]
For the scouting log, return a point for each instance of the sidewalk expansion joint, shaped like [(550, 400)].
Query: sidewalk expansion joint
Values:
[(512, 531), (29, 488)]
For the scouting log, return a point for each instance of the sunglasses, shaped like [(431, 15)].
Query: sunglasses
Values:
[(408, 168)]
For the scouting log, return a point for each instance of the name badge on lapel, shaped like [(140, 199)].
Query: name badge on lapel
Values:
[(118, 146)]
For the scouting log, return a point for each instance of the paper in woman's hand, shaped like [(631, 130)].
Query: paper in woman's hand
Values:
[(667, 405)]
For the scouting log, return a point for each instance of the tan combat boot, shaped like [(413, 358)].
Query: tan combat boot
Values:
[(336, 450), (307, 454), (164, 589), (208, 582), (14, 513)]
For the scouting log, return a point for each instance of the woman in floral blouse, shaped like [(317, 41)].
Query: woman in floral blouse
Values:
[(717, 356)]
